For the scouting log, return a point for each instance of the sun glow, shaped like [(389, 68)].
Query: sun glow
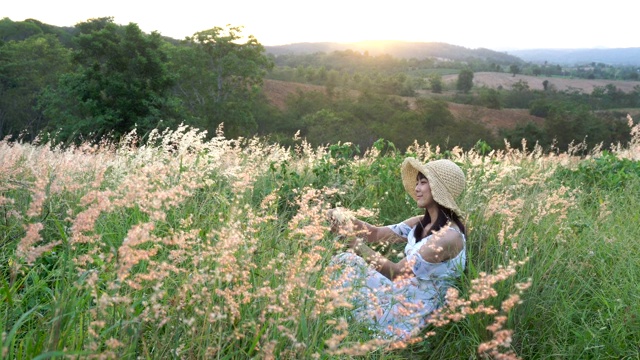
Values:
[(491, 24)]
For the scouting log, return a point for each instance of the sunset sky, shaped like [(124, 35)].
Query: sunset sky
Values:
[(493, 24)]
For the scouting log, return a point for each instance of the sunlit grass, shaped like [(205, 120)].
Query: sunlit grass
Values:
[(180, 247)]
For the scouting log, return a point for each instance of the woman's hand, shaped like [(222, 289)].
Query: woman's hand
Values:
[(339, 217), (342, 224), (335, 226)]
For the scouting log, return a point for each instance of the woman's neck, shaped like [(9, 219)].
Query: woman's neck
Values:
[(433, 215), (433, 218)]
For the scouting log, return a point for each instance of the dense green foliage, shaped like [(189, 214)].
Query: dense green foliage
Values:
[(22, 30), (218, 79), (26, 68), (120, 82), (101, 79)]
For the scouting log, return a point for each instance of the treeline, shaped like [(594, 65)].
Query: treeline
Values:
[(100, 79), (600, 70), (590, 71)]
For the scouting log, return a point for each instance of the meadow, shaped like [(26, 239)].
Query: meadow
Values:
[(177, 246)]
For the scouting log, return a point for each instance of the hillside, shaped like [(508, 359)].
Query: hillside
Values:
[(399, 49), (277, 92), (506, 80), (495, 120)]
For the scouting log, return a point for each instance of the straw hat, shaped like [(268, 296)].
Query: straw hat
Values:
[(446, 180)]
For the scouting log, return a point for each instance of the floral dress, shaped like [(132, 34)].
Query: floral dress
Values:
[(397, 309)]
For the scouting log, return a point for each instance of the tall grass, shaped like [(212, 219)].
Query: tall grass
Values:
[(179, 247)]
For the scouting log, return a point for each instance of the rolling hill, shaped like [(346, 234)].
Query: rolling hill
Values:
[(399, 49), (421, 50)]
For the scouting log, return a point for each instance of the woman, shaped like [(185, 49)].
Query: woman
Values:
[(396, 298)]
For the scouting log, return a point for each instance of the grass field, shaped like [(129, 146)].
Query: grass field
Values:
[(179, 247)]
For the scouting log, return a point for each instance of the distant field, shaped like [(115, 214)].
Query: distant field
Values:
[(506, 80)]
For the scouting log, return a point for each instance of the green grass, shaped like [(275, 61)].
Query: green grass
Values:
[(229, 272)]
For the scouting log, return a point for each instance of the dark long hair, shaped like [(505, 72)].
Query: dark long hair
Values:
[(445, 215)]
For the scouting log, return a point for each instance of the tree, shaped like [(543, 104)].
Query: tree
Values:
[(570, 122), (439, 127), (26, 68), (465, 80), (22, 30), (326, 127), (635, 94), (520, 86), (490, 98), (520, 96), (435, 80), (332, 82), (219, 78), (19, 30), (540, 107), (536, 70), (514, 69), (121, 83), (530, 132)]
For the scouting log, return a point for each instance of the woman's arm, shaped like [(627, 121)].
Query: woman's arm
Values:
[(383, 234), (370, 233), (443, 246), (376, 234)]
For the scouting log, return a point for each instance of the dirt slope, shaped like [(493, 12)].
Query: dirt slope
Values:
[(494, 119), (277, 91)]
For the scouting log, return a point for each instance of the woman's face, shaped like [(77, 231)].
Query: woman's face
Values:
[(423, 192)]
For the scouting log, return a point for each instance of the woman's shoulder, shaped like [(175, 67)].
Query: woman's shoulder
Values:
[(443, 245), (454, 230), (450, 234)]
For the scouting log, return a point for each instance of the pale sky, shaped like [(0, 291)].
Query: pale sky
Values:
[(494, 24)]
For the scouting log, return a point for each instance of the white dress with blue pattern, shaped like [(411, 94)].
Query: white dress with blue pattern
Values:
[(399, 308)]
